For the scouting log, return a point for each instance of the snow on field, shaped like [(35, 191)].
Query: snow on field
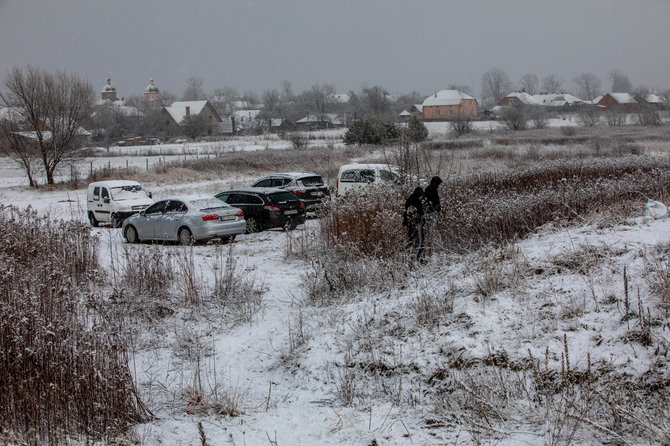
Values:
[(442, 129), (292, 398)]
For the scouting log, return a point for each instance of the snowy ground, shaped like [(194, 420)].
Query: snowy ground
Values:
[(293, 396)]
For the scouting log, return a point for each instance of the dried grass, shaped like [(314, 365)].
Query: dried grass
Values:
[(63, 369)]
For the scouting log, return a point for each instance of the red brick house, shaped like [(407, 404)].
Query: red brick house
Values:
[(450, 104), (619, 101)]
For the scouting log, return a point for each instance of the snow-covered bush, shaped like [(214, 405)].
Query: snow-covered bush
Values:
[(63, 373)]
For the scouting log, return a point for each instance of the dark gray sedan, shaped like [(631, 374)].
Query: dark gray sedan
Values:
[(185, 220)]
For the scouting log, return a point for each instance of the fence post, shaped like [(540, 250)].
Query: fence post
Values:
[(147, 164)]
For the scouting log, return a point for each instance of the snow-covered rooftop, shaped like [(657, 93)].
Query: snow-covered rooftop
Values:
[(178, 109), (524, 98), (446, 97), (328, 117), (623, 98), (557, 99)]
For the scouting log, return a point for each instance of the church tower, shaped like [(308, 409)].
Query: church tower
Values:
[(108, 93), (151, 95)]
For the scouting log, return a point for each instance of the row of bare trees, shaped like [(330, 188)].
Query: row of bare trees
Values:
[(496, 84)]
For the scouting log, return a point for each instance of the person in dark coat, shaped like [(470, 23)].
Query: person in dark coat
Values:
[(431, 201), (413, 218)]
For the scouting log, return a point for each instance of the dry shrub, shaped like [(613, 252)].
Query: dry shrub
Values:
[(559, 404), (659, 274), (336, 272), (146, 270), (431, 307), (368, 222), (362, 245), (239, 293), (499, 207), (59, 377)]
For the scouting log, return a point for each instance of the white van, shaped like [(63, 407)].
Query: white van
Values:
[(357, 176), (114, 201)]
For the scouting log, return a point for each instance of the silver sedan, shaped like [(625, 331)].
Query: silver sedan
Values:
[(185, 220)]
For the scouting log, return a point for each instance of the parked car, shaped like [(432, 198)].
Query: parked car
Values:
[(186, 220), (114, 201), (266, 208), (352, 177), (308, 187)]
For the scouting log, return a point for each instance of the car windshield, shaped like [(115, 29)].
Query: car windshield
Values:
[(311, 181), (282, 197), (209, 204), (130, 192)]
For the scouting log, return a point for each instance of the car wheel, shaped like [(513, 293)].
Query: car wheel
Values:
[(185, 237), (131, 234), (91, 218), (117, 221), (291, 224), (252, 225)]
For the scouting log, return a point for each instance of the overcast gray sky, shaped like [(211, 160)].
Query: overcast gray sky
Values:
[(401, 45)]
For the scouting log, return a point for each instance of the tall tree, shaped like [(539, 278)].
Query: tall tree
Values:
[(194, 91), (529, 83), (49, 110), (271, 106), (223, 100), (620, 82), (376, 101), (286, 90), (552, 84), (588, 86), (321, 98), (495, 86)]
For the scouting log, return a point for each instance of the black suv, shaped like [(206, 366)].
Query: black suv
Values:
[(308, 187), (266, 208)]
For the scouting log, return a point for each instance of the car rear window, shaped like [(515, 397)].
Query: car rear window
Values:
[(282, 197), (209, 204), (358, 176), (311, 181)]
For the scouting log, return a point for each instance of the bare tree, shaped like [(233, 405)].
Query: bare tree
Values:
[(271, 106), (321, 97), (223, 100), (49, 110), (286, 90), (251, 98), (376, 101), (194, 126), (529, 83), (167, 98), (194, 91), (495, 85), (552, 84), (620, 82), (588, 86)]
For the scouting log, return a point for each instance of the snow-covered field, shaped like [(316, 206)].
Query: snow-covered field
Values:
[(288, 368)]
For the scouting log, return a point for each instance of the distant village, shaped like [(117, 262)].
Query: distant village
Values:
[(156, 117)]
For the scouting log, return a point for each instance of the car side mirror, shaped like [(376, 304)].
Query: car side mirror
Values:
[(105, 200), (142, 213), (150, 194)]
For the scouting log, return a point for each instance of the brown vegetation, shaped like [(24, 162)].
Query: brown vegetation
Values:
[(63, 370)]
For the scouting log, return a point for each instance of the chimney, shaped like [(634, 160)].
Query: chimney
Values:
[(188, 111)]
